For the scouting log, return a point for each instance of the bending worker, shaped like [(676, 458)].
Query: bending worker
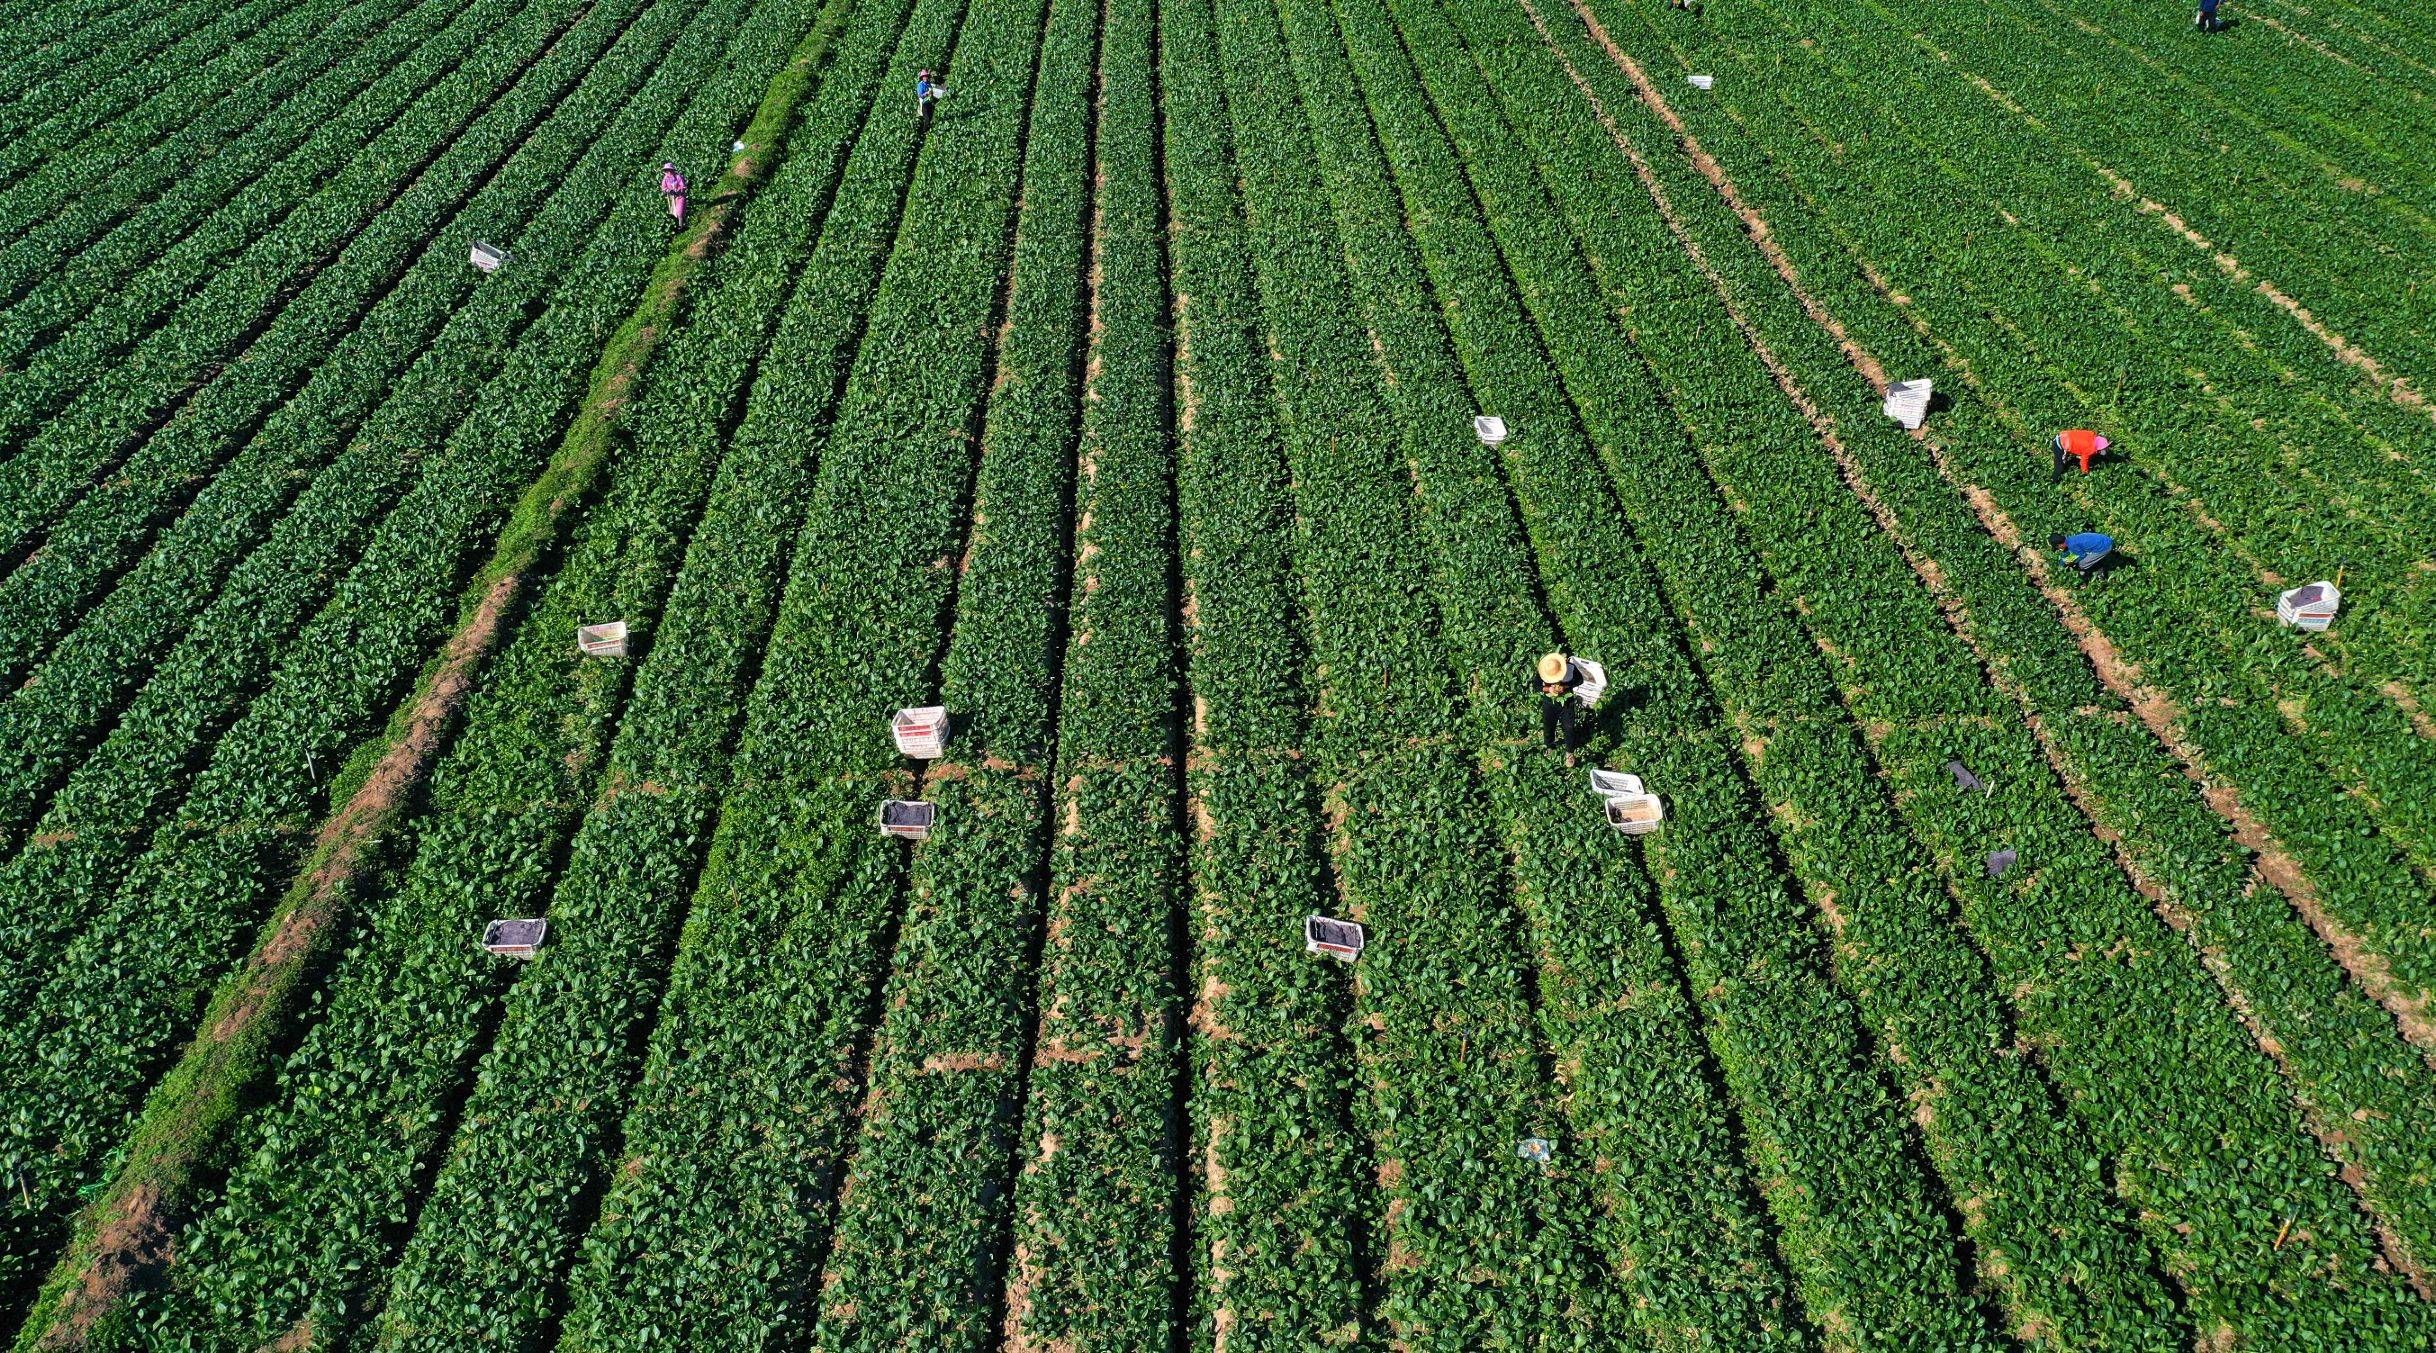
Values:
[(1555, 676), (2085, 550), (2079, 444)]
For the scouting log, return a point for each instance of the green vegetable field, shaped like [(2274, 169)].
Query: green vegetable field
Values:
[(1204, 458)]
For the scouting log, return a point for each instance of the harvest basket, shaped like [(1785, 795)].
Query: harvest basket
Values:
[(2311, 606), (488, 257), (1337, 939), (1489, 428), (909, 818), (520, 938), (1907, 402), (921, 732), (604, 640)]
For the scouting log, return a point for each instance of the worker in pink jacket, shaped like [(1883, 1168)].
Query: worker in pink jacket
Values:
[(672, 187)]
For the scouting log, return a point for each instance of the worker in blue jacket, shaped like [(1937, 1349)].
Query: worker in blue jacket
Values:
[(2085, 551), (2206, 22)]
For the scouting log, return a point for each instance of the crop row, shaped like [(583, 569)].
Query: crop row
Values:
[(102, 121), (53, 47), (392, 385), (1579, 344), (57, 209), (2221, 660), (1103, 1140), (1992, 1135), (78, 397), (2336, 435), (2346, 487), (2364, 36), (183, 701), (830, 337), (2213, 384), (323, 1193), (2083, 956), (1284, 1250), (98, 1019), (549, 1088), (2228, 670), (1477, 1243), (2345, 1055), (1826, 1237), (2262, 392), (1682, 1219), (2301, 216), (918, 1243)]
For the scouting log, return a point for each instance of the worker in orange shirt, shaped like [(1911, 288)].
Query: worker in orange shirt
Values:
[(2078, 444)]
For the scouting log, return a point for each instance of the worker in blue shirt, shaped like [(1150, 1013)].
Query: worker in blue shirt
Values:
[(2206, 22), (2084, 551), (926, 93)]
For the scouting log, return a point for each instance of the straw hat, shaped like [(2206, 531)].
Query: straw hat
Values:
[(1552, 667)]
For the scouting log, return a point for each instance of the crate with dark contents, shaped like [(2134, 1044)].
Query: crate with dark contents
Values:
[(515, 938), (909, 818), (1337, 939)]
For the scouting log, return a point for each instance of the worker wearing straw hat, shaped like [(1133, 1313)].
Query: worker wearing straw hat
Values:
[(1555, 676)]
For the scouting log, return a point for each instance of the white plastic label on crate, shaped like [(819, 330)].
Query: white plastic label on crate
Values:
[(1338, 939), (1907, 402)]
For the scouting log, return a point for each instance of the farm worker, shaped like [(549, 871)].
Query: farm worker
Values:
[(1555, 676), (2206, 22), (672, 187), (2078, 444), (2084, 550), (926, 93)]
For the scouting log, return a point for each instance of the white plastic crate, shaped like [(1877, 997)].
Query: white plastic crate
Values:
[(921, 733), (488, 257), (909, 818), (1337, 939), (2311, 606), (1907, 402), (516, 938), (604, 640), (1635, 814), (1703, 81), (1489, 428), (1609, 783), (1630, 808)]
